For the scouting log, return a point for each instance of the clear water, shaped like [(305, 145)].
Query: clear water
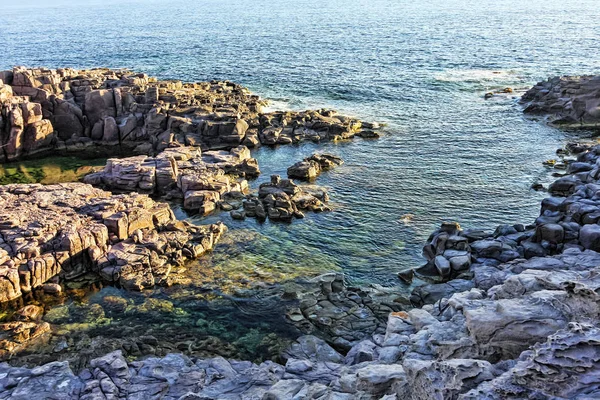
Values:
[(48, 170), (421, 67)]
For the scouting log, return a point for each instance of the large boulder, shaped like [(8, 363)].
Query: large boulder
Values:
[(98, 105)]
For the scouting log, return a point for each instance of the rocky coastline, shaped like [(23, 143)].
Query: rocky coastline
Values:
[(509, 314), (79, 111), (566, 101)]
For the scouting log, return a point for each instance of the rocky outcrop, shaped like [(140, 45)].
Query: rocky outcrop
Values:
[(568, 220), (508, 314), (311, 167), (202, 180), (66, 230), (566, 366), (66, 110), (282, 200), (566, 101)]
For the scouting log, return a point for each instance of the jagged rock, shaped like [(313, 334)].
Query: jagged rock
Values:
[(283, 200), (53, 380), (565, 366), (311, 167), (201, 180), (344, 316), (446, 379), (67, 230), (431, 293), (119, 107), (567, 100)]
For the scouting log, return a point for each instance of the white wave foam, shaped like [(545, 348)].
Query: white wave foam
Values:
[(476, 75)]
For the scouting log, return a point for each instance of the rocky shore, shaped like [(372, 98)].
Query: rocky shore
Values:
[(568, 101), (509, 314), (88, 111), (64, 231)]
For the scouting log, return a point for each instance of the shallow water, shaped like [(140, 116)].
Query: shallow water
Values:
[(48, 170), (422, 68)]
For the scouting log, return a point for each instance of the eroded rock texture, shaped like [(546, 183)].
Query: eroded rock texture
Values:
[(68, 110), (514, 315), (509, 314), (67, 230), (568, 100), (201, 180)]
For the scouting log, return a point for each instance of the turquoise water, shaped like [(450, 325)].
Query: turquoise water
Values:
[(420, 67)]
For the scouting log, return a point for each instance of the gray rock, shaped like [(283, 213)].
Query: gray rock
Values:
[(313, 349), (566, 101), (361, 352), (589, 237), (567, 366), (443, 266)]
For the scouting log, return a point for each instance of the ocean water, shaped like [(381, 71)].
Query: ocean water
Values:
[(422, 68)]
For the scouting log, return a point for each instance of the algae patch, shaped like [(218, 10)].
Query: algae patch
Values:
[(48, 170)]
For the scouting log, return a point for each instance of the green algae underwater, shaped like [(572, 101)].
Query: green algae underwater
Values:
[(48, 170)]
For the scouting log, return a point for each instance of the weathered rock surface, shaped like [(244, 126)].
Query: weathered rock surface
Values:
[(344, 316), (568, 220), (521, 321), (510, 314), (202, 180), (66, 110), (67, 230), (283, 200), (309, 168), (566, 101)]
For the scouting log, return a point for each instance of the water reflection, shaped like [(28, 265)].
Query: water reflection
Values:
[(49, 170)]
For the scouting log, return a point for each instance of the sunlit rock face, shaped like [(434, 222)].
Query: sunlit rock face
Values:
[(74, 111), (70, 229)]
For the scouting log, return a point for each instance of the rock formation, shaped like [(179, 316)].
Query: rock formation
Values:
[(67, 110), (567, 220), (201, 180), (566, 101), (311, 167), (513, 315), (509, 314), (282, 200), (66, 230)]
